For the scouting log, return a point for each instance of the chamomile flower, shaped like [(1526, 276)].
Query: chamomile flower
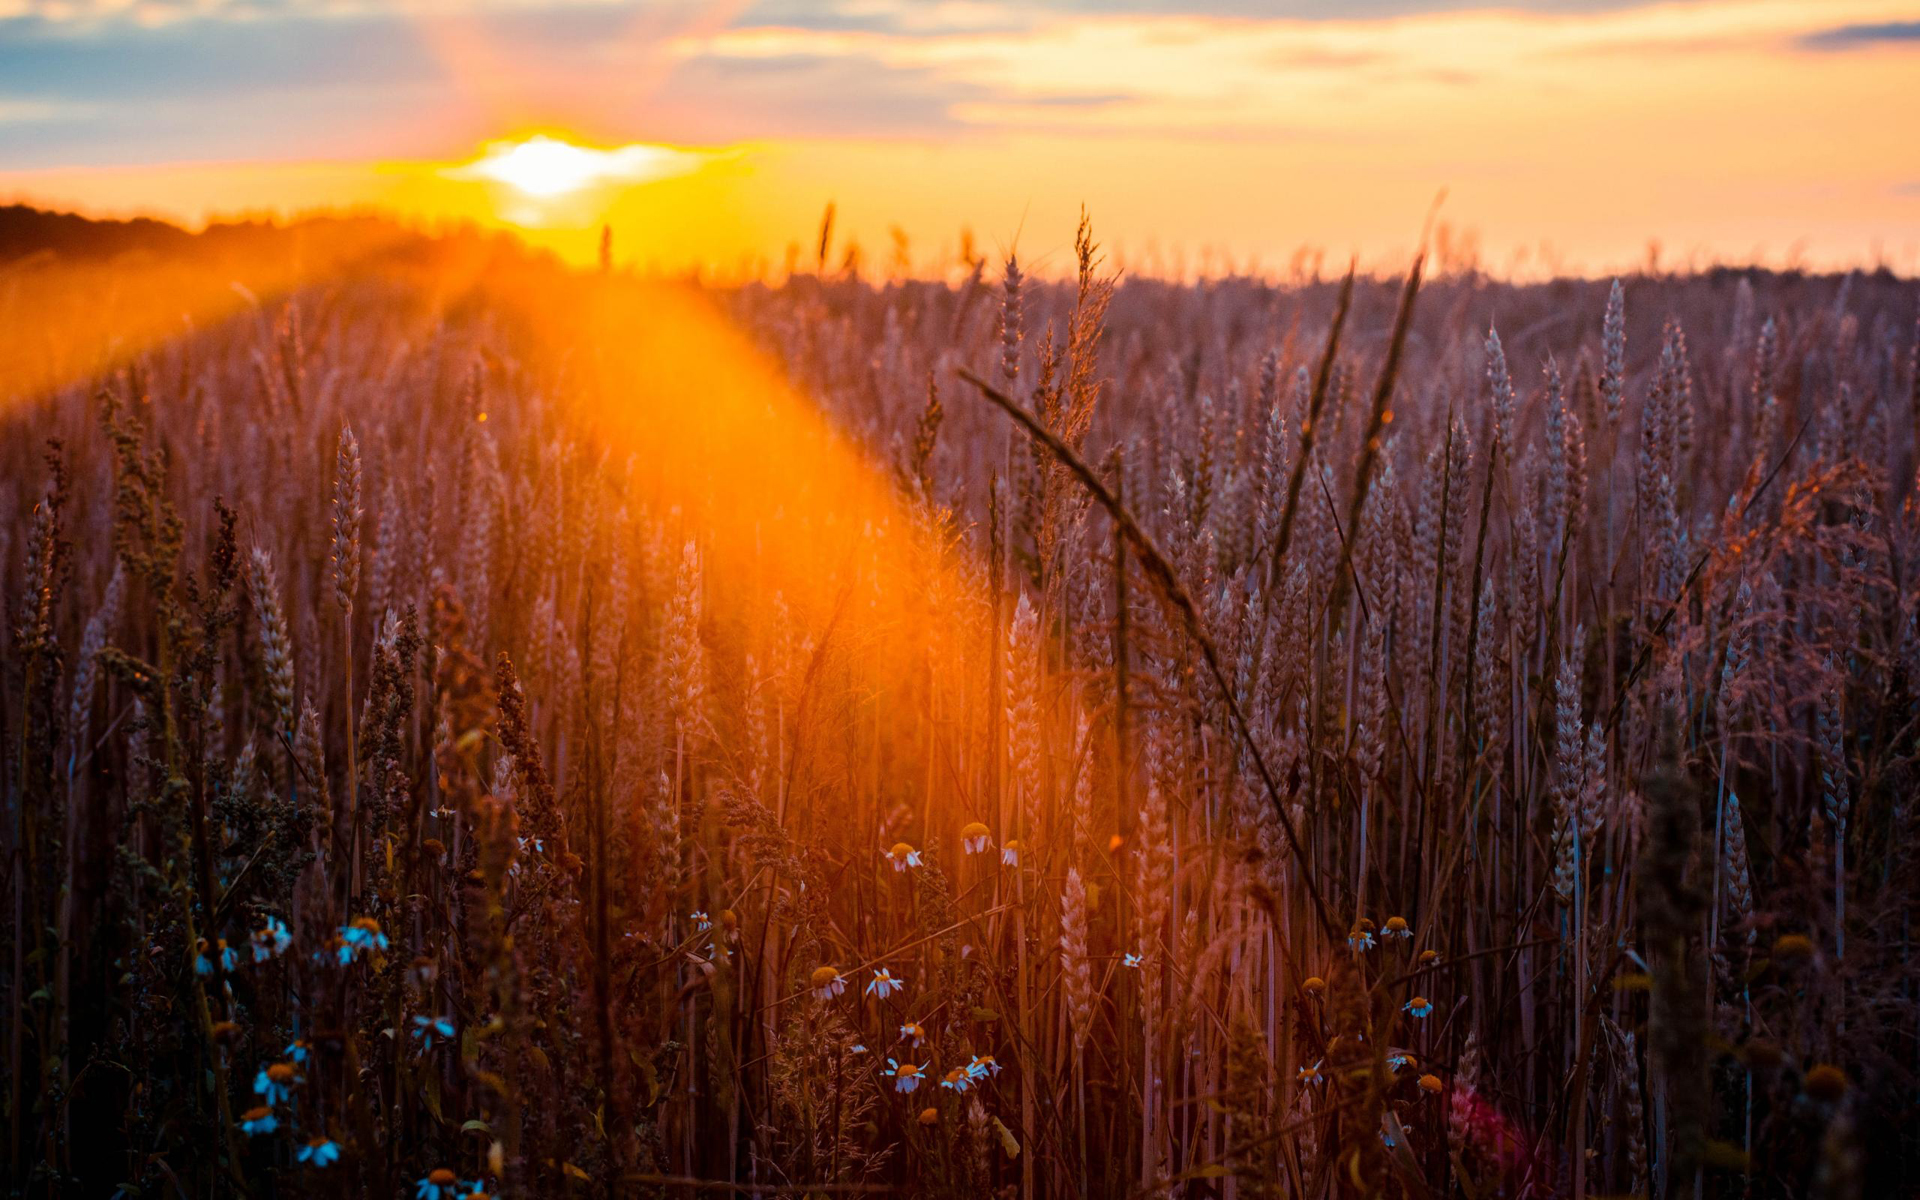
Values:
[(203, 962), (428, 1028), (856, 1048), (1360, 938), (883, 984), (911, 1031), (257, 1121), (359, 937), (906, 1076), (983, 1066), (1397, 928), (929, 1116), (1419, 1006), (275, 1083), (1429, 958), (1313, 985), (440, 1184), (1311, 1074), (297, 1051), (271, 939), (957, 1080), (1130, 960), (701, 923), (827, 982), (903, 856), (1431, 1083), (319, 1151), (975, 837), (1396, 1061), (1010, 853)]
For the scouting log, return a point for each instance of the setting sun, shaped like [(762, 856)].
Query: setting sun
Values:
[(547, 168)]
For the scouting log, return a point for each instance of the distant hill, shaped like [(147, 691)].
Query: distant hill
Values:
[(25, 230)]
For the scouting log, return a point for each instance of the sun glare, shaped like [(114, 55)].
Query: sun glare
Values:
[(547, 168)]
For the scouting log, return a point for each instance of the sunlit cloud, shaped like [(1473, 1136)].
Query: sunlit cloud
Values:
[(1849, 37)]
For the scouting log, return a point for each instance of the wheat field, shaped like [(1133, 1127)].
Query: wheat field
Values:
[(474, 726)]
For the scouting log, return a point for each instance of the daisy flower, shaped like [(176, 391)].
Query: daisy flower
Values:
[(1419, 1006), (1130, 960), (1397, 928), (700, 922), (883, 984), (271, 939), (856, 1048), (906, 1076), (256, 1121), (958, 1080), (827, 982), (1429, 957), (929, 1116), (983, 1066), (975, 837), (903, 856), (1396, 1061), (1431, 1083), (1360, 938), (1010, 853), (1313, 985), (438, 1185), (911, 1030), (319, 1151), (275, 1083), (1311, 1074), (297, 1051), (428, 1028)]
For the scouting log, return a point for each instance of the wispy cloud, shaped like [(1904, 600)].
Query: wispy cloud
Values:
[(15, 111), (1852, 37)]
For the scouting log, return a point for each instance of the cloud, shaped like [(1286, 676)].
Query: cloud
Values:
[(1853, 37), (15, 111), (883, 16), (84, 15), (143, 81), (728, 97), (218, 91)]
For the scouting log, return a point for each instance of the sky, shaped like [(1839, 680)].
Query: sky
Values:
[(1201, 135)]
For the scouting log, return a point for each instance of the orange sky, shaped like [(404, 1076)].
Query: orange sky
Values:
[(1567, 134)]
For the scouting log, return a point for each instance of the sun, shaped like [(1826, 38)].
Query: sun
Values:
[(542, 167)]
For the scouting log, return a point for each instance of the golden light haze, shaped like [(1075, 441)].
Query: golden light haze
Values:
[(1726, 130)]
